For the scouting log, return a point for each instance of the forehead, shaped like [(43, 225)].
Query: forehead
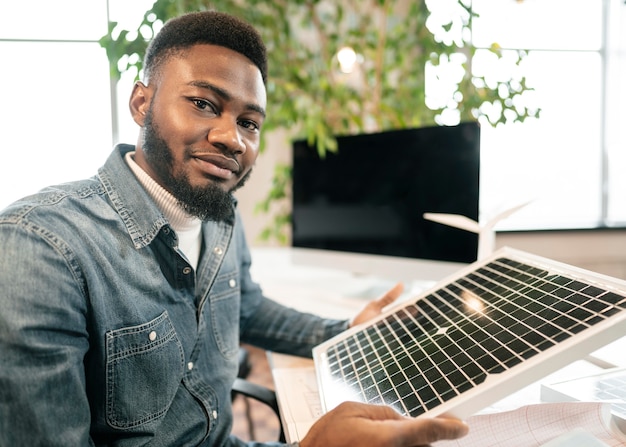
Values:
[(217, 65)]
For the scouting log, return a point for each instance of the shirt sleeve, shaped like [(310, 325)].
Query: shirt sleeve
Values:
[(270, 325), (281, 329), (43, 341)]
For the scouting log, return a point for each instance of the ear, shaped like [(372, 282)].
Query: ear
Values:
[(140, 102)]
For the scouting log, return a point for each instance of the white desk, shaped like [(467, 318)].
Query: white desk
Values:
[(323, 283), (337, 284)]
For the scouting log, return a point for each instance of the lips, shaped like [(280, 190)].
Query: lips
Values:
[(218, 164)]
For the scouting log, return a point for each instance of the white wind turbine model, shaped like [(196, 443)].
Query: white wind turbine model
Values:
[(485, 231)]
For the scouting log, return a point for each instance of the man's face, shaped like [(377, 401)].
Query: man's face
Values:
[(201, 120)]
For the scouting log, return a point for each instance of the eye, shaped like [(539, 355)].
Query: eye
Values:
[(203, 104), (249, 125)]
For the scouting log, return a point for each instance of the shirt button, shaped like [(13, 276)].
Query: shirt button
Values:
[(232, 283), (187, 270), (214, 414), (152, 336), (218, 251), (190, 366)]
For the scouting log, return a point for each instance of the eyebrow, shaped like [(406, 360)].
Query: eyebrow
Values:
[(225, 95)]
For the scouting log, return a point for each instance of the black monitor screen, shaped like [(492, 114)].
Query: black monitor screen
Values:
[(371, 194)]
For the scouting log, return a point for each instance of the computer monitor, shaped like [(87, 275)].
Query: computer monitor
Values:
[(370, 195)]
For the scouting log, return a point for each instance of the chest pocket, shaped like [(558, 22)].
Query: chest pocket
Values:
[(141, 367)]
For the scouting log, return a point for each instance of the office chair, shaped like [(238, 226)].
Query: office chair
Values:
[(251, 390)]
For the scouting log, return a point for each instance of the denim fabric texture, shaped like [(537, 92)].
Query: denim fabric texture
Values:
[(109, 337)]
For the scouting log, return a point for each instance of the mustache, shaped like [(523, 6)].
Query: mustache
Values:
[(224, 161)]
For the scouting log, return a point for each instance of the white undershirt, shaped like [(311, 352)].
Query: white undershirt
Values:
[(188, 228)]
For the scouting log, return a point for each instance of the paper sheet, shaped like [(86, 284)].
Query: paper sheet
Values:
[(303, 408), (535, 425)]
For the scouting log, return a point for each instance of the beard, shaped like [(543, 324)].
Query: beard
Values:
[(209, 202)]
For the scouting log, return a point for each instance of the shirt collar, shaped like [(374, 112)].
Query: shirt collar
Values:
[(138, 210), (167, 203)]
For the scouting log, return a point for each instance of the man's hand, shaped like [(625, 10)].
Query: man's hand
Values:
[(374, 308), (356, 424)]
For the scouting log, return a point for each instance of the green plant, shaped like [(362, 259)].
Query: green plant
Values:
[(310, 97)]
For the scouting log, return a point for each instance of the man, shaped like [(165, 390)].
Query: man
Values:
[(124, 297)]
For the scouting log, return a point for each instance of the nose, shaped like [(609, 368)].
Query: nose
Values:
[(226, 135)]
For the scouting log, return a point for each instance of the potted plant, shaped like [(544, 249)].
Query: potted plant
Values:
[(394, 46)]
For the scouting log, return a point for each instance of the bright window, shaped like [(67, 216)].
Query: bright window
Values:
[(55, 103), (560, 161), (55, 92)]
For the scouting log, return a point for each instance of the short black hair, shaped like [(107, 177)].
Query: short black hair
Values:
[(205, 27)]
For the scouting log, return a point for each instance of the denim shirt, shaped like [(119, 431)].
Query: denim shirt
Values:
[(109, 337)]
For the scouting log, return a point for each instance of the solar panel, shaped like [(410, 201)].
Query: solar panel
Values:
[(494, 327)]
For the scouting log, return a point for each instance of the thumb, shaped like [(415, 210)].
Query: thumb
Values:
[(390, 296), (374, 308)]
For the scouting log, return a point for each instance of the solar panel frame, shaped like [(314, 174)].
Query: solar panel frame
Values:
[(418, 378)]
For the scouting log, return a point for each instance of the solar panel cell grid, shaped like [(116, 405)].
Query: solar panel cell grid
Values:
[(452, 339)]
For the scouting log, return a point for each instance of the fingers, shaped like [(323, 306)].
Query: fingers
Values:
[(391, 295), (368, 411), (356, 424), (395, 429), (374, 307), (425, 431), (407, 430)]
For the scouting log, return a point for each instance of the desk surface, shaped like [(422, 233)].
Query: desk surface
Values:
[(337, 284)]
